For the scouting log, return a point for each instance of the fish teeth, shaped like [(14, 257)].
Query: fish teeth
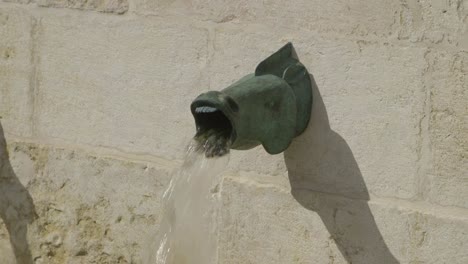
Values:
[(205, 109)]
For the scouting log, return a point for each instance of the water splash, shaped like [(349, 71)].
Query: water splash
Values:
[(188, 233)]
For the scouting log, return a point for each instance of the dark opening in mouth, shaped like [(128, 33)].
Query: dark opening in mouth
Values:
[(211, 118), (213, 131)]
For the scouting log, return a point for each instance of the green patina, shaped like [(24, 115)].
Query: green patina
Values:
[(269, 107)]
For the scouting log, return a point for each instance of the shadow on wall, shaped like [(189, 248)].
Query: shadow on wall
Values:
[(326, 179), (16, 206)]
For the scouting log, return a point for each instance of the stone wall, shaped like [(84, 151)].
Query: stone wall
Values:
[(94, 114)]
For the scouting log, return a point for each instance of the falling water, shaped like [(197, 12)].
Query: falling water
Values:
[(189, 230)]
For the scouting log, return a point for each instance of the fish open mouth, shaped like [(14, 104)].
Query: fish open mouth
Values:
[(211, 118)]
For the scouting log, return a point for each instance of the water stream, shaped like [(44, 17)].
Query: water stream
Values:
[(188, 232)]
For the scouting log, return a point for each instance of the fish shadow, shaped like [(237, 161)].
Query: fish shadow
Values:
[(17, 209), (325, 178)]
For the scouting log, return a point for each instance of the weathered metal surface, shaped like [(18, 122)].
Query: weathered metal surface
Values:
[(269, 107)]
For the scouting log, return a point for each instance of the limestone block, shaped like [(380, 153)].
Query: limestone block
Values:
[(356, 17), (122, 83), (366, 127), (16, 71), (436, 22), (20, 1), (90, 209), (265, 224), (448, 127), (106, 6), (438, 238)]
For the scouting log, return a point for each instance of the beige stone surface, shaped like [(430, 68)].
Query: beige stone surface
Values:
[(106, 6), (431, 22), (120, 83), (357, 17), (95, 110), (438, 239), (265, 224), (448, 128), (20, 1), (90, 209), (16, 70), (435, 22)]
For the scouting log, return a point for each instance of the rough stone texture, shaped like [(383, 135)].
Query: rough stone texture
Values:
[(86, 203), (106, 6), (448, 127), (432, 21), (358, 17), (95, 110), (20, 1), (258, 221), (438, 239), (264, 224), (16, 70), (435, 22)]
